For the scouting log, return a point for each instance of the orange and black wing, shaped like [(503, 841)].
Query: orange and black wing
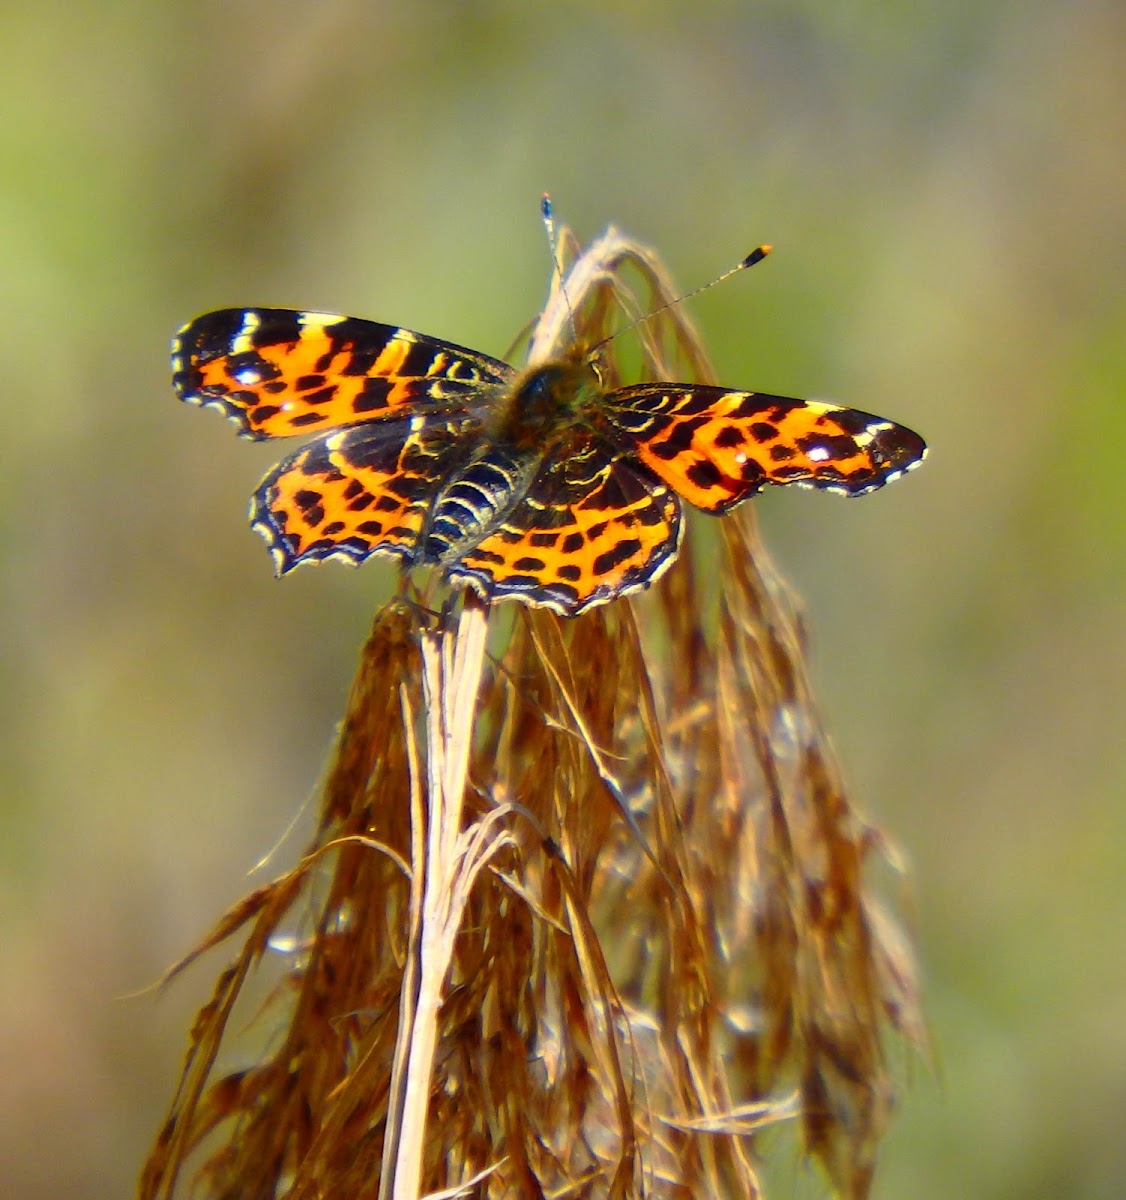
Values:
[(360, 491), (716, 447), (590, 527), (276, 372)]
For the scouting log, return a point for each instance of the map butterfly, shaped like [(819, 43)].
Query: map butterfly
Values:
[(538, 484)]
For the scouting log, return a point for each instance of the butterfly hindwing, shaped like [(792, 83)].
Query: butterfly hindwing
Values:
[(591, 526), (364, 490)]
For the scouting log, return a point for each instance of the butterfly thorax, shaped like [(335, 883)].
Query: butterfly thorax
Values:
[(544, 399)]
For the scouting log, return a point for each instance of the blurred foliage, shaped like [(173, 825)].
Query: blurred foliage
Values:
[(943, 187)]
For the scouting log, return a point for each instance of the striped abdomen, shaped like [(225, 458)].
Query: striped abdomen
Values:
[(473, 501)]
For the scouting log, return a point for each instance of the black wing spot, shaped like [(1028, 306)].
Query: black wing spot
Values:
[(616, 555), (321, 396), (373, 395), (679, 439), (704, 474), (275, 329), (829, 445)]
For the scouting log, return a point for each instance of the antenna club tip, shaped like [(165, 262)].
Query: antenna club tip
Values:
[(756, 255), (545, 206)]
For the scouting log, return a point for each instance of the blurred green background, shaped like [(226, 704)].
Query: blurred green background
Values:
[(945, 187)]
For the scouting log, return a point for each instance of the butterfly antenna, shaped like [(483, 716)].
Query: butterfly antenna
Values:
[(548, 215), (755, 256)]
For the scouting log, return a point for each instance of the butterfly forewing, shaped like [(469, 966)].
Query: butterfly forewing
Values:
[(716, 447), (276, 372)]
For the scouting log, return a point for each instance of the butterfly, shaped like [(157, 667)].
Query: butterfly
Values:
[(538, 484)]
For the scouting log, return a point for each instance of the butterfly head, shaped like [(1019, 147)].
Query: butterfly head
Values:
[(548, 394)]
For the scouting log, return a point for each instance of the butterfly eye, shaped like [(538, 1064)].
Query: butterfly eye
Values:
[(540, 388)]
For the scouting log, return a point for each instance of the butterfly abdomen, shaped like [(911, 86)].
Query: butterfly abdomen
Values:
[(474, 500)]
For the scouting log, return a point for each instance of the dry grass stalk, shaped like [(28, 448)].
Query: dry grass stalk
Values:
[(580, 917)]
